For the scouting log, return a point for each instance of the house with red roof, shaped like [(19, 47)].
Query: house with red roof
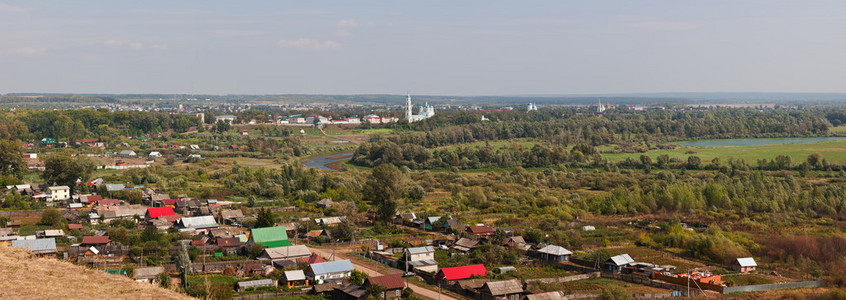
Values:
[(74, 226), (95, 240), (464, 272), (155, 212), (313, 259), (107, 202), (480, 231), (170, 202)]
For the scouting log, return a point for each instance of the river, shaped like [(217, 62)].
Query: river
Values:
[(323, 161)]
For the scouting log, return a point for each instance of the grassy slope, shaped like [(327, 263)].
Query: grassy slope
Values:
[(25, 277)]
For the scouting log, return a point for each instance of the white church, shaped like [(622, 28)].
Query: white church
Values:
[(426, 111)]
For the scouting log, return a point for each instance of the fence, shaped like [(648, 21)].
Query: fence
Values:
[(646, 281), (269, 295), (773, 286), (18, 213), (563, 279)]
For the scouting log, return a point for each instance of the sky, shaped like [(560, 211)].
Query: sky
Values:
[(460, 48)]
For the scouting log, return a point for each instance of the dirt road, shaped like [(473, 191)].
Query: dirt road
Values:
[(418, 290)]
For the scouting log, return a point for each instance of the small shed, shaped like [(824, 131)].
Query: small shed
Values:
[(618, 262), (294, 278), (745, 265), (147, 274)]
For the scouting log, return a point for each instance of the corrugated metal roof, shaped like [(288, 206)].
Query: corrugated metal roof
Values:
[(269, 234), (499, 288), (332, 267), (286, 252), (463, 272), (114, 187), (147, 273), (418, 250), (37, 245), (295, 275), (555, 250), (747, 262), (622, 259), (199, 222)]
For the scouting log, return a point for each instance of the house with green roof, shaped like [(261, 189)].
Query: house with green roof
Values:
[(270, 236)]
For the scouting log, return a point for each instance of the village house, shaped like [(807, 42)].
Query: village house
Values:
[(501, 290), (316, 234), (119, 212), (40, 247), (148, 274), (313, 259), (294, 278), (285, 253), (404, 218), (517, 242), (155, 212), (202, 223), (745, 265), (556, 295), (392, 283), (421, 259), (429, 223), (618, 262), (465, 245), (553, 253), (478, 232), (59, 193), (230, 245), (330, 271), (270, 237), (454, 226), (114, 187), (349, 291), (90, 199), (50, 233), (231, 215), (127, 154), (450, 275)]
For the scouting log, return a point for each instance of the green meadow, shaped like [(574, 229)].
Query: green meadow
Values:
[(833, 151)]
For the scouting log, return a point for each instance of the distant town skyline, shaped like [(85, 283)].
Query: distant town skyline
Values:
[(422, 47)]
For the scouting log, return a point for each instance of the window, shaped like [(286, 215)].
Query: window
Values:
[(398, 293)]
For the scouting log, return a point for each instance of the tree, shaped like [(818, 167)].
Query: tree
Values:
[(164, 280), (383, 188), (357, 277), (62, 169), (183, 264), (815, 160), (376, 291), (51, 217), (11, 160), (265, 218)]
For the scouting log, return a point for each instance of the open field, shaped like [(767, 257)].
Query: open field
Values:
[(833, 151), (597, 285)]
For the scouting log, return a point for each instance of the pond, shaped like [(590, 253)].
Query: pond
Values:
[(322, 162), (756, 142)]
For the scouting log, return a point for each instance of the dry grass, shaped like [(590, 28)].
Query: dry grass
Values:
[(27, 277)]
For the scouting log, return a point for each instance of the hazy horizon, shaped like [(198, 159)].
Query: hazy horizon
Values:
[(473, 48)]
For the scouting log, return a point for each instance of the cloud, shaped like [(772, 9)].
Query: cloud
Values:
[(347, 23), (113, 43), (136, 45), (158, 47), (309, 44), (342, 33), (664, 25), (23, 51)]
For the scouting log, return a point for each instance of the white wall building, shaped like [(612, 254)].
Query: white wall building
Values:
[(426, 111), (58, 193)]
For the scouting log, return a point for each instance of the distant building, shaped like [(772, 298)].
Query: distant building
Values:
[(58, 193), (225, 118), (599, 107), (745, 265), (426, 111), (531, 107)]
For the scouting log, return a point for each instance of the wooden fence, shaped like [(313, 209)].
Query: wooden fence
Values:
[(270, 295)]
